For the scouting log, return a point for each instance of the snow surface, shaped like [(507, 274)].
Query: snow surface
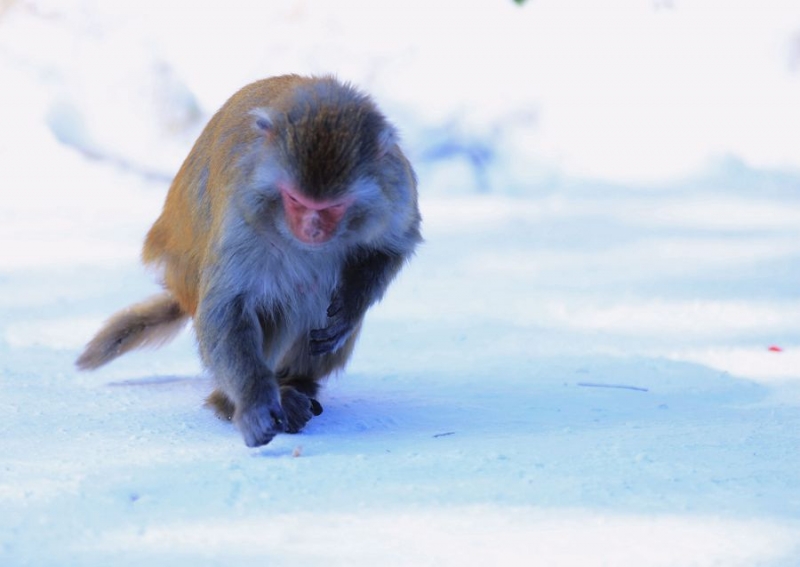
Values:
[(574, 370)]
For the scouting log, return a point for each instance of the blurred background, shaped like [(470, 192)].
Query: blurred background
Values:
[(491, 95)]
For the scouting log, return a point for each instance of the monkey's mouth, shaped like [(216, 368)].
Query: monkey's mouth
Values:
[(314, 237), (313, 230)]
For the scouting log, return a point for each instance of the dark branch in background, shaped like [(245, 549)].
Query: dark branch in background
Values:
[(123, 164), (66, 122), (450, 145)]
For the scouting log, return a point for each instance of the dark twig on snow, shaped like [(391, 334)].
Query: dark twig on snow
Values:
[(619, 386)]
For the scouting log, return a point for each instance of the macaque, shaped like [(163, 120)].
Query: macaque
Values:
[(289, 218)]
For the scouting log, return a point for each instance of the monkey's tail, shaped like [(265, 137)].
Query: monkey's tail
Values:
[(150, 323)]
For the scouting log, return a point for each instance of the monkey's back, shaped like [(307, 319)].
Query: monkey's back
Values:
[(179, 242)]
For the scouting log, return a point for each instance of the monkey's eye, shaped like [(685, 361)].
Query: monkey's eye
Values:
[(334, 213), (292, 203), (293, 208)]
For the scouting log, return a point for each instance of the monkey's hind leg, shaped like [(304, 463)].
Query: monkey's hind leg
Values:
[(299, 382), (221, 405), (299, 406)]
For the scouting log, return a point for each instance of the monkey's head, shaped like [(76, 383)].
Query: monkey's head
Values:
[(328, 141)]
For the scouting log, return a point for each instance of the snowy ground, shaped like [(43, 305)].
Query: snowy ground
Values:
[(575, 369)]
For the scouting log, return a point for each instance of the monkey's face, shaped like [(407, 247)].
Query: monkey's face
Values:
[(311, 221)]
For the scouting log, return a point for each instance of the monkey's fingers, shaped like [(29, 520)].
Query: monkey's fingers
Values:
[(337, 304), (260, 424), (330, 338)]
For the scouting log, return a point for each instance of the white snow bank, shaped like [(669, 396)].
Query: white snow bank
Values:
[(625, 91)]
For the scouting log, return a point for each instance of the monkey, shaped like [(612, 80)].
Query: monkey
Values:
[(289, 218)]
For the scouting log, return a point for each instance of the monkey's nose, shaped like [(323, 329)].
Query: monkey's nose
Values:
[(313, 231)]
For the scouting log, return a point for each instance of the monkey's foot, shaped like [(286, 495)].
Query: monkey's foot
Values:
[(223, 407), (298, 407)]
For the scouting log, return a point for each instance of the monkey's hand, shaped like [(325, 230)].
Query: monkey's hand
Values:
[(260, 422), (364, 279), (340, 327)]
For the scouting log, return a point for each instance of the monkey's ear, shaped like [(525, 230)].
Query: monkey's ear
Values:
[(387, 139), (262, 120)]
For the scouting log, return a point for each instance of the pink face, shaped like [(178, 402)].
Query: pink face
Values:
[(312, 222)]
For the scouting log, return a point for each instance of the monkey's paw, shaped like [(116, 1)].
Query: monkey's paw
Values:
[(299, 408), (261, 423), (332, 337)]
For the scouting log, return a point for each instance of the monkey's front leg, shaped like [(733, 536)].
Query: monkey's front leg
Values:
[(364, 279), (230, 336)]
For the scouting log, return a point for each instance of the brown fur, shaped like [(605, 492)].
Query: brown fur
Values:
[(147, 324)]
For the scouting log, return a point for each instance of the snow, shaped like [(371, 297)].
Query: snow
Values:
[(574, 370)]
